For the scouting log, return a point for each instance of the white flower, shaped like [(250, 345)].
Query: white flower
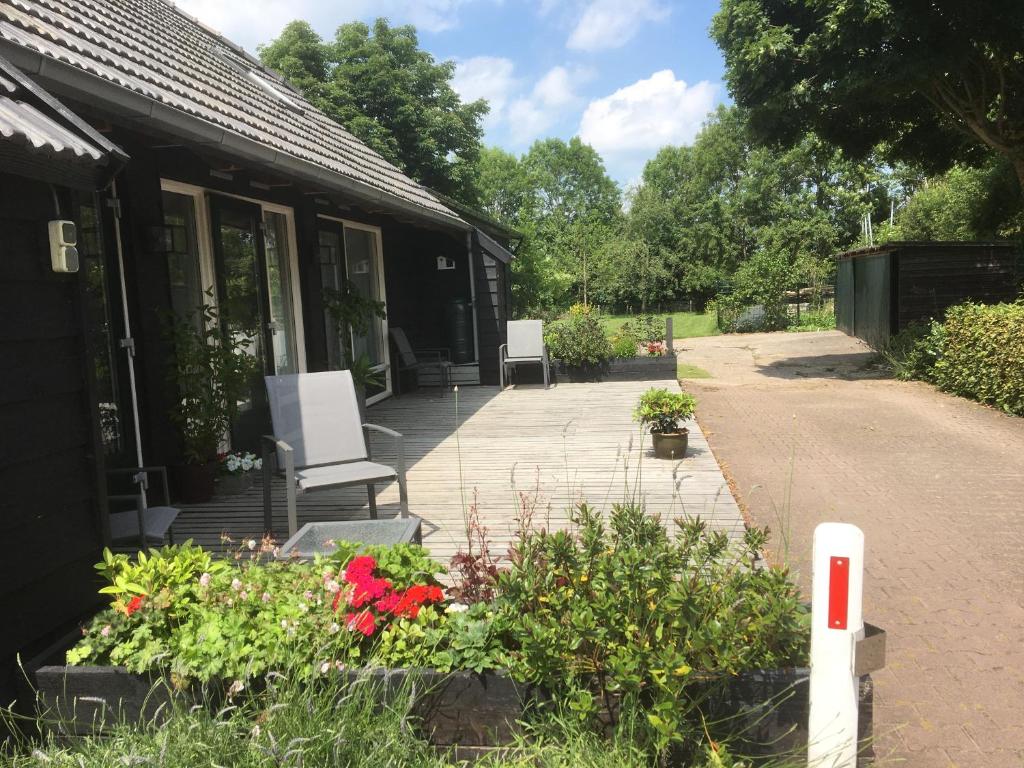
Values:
[(333, 586), (325, 668), (244, 595), (257, 464), (265, 597), (334, 628), (204, 580), (251, 544), (106, 630), (246, 464), (303, 607), (255, 732), (457, 608), (284, 623), (236, 584)]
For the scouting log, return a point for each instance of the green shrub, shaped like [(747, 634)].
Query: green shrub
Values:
[(626, 341), (821, 319), (983, 354), (624, 612), (578, 338), (650, 328), (913, 352), (664, 410)]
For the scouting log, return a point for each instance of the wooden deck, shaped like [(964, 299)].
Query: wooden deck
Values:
[(553, 448)]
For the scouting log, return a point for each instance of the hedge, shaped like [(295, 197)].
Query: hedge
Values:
[(983, 354)]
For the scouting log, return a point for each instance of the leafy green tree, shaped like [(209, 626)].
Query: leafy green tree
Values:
[(965, 203), (935, 80), (389, 93), (562, 200)]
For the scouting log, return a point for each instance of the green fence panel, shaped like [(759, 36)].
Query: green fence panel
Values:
[(872, 288), (844, 296)]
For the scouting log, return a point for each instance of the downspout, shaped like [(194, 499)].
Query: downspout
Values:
[(472, 299), (128, 343)]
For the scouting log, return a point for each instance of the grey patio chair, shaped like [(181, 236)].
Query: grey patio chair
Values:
[(419, 360), (143, 524), (525, 345), (320, 442)]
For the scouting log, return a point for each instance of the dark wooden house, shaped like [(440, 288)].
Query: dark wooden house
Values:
[(882, 289), (193, 175)]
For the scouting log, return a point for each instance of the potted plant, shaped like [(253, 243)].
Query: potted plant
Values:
[(663, 411), (235, 471), (210, 372)]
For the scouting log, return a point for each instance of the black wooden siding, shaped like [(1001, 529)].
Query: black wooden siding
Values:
[(881, 290), (49, 489)]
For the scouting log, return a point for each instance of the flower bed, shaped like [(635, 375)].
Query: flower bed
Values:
[(614, 616)]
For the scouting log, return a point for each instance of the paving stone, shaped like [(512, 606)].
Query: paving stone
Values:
[(936, 483)]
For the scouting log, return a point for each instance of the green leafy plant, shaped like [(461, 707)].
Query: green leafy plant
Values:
[(626, 341), (623, 612), (982, 354), (211, 372), (663, 410), (184, 613), (913, 352), (578, 338), (353, 313)]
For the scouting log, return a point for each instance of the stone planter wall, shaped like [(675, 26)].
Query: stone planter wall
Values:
[(471, 713), (617, 369)]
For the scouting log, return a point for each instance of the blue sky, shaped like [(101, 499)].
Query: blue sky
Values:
[(627, 76)]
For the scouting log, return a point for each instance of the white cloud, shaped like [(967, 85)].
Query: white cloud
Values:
[(613, 23), (487, 77), (647, 114), (628, 126), (517, 110)]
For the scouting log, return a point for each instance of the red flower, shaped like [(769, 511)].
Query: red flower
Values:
[(133, 605), (360, 568), (360, 622)]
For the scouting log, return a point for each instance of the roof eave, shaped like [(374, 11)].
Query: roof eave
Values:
[(70, 80)]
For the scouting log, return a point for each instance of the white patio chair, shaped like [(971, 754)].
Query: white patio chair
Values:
[(320, 442), (525, 345), (142, 524)]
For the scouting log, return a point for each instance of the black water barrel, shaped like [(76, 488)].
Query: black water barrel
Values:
[(458, 322)]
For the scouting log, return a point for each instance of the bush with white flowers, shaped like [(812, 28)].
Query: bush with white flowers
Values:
[(239, 463)]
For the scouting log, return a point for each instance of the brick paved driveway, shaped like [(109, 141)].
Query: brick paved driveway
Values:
[(937, 485)]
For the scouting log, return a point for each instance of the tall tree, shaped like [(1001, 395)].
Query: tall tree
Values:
[(389, 93), (935, 80)]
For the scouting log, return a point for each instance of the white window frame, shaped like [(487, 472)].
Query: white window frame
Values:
[(385, 368), (207, 267)]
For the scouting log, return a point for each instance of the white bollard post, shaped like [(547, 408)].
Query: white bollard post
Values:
[(836, 625)]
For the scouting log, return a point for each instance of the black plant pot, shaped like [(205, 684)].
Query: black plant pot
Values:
[(195, 482)]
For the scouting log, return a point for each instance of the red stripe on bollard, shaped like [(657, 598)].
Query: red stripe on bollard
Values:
[(838, 591)]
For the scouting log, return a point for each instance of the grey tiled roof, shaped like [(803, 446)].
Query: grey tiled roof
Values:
[(32, 118), (154, 50)]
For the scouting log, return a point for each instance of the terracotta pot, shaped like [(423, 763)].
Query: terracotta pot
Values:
[(670, 445), (195, 482)]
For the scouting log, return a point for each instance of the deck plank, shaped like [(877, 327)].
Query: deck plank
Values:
[(554, 447)]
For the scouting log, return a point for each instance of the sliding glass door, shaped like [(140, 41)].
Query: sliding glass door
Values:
[(240, 255), (350, 254)]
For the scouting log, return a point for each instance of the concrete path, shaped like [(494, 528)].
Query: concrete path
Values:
[(810, 431)]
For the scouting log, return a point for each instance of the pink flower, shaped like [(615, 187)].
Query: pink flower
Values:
[(204, 580), (105, 632), (265, 597), (236, 584)]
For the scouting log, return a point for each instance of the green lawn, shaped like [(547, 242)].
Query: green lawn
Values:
[(684, 324)]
